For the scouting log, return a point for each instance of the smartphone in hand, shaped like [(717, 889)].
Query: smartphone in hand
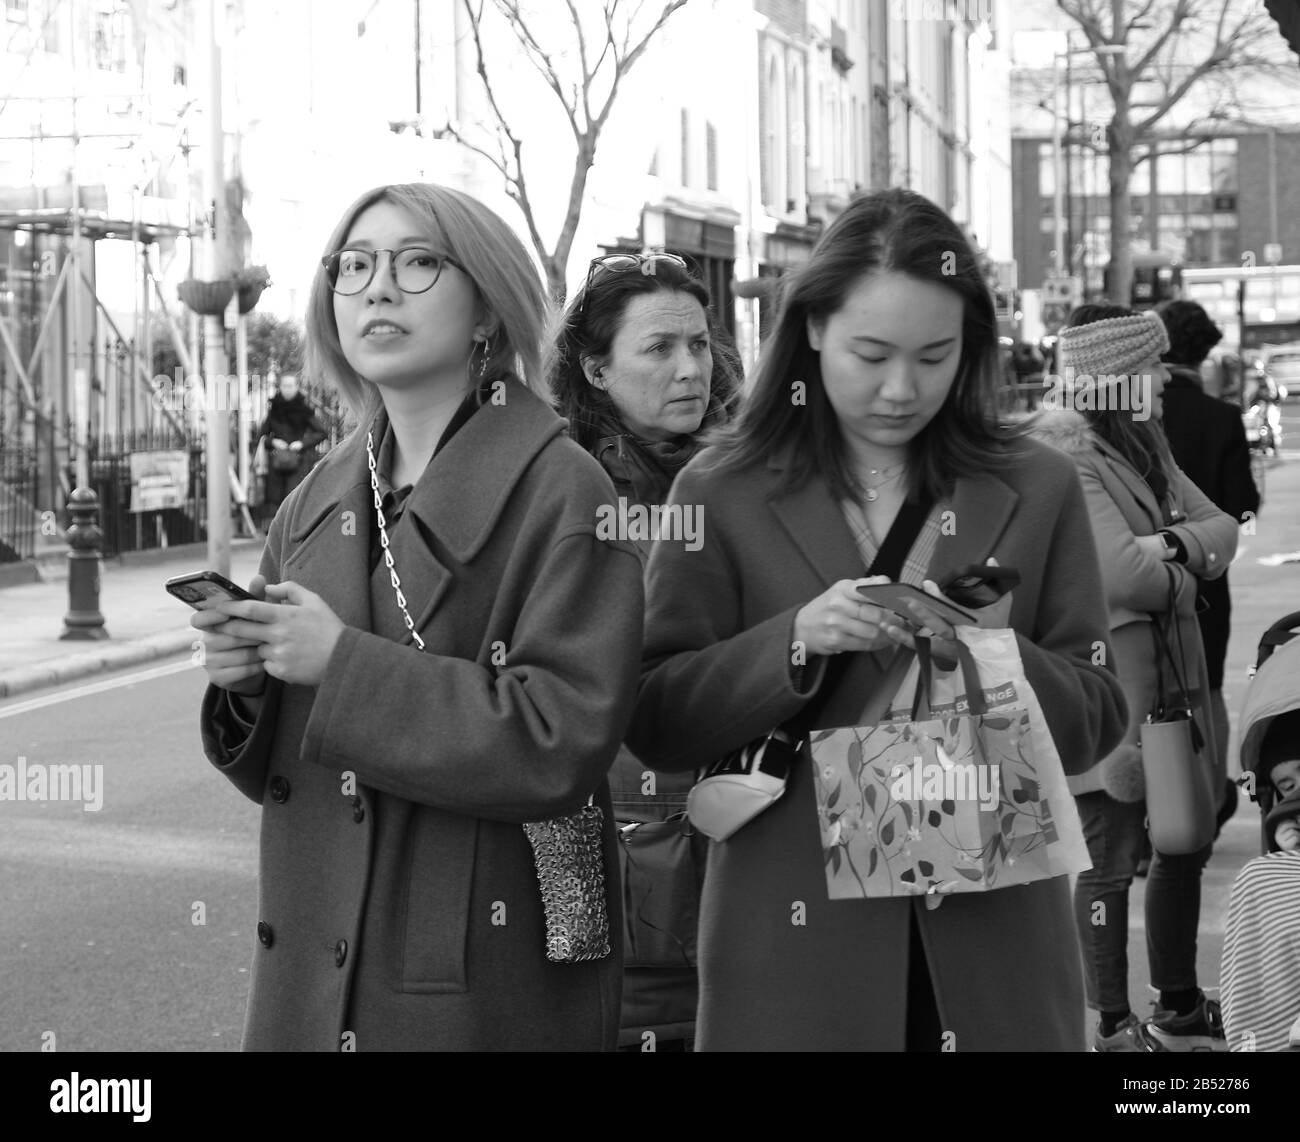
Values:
[(894, 596), (979, 585), (198, 587)]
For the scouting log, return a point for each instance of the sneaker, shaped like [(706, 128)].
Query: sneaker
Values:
[(1199, 1030), (1130, 1036)]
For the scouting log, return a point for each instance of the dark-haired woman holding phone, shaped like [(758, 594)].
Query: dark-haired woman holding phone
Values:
[(869, 438)]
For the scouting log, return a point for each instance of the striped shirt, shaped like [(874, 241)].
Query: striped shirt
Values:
[(1260, 976)]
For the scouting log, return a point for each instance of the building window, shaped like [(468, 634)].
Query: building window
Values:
[(796, 146), (108, 36), (711, 156), (178, 75), (1223, 166), (1046, 168), (773, 185), (16, 11), (686, 147)]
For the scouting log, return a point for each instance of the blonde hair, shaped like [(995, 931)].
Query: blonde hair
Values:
[(504, 276)]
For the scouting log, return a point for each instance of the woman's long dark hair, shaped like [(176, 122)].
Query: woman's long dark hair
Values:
[(587, 328), (1142, 443), (881, 231)]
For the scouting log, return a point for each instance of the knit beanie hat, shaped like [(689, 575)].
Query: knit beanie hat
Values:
[(1114, 345)]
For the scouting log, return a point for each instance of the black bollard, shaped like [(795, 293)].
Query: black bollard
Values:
[(83, 620)]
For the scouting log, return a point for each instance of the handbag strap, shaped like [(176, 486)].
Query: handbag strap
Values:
[(1177, 666), (1164, 651)]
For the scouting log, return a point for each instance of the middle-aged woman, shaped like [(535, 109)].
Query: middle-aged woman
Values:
[(1156, 534), (399, 901), (640, 370), (875, 390)]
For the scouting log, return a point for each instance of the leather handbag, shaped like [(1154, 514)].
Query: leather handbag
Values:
[(1179, 789), (285, 460), (568, 852)]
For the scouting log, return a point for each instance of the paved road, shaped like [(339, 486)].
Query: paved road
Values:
[(97, 940)]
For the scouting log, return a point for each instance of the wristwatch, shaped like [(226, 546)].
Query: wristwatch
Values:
[(1177, 552)]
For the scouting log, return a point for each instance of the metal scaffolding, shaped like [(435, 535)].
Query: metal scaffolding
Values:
[(74, 369)]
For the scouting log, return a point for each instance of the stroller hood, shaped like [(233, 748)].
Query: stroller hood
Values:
[(1274, 690)]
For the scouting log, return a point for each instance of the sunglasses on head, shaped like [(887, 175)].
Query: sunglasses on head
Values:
[(646, 264)]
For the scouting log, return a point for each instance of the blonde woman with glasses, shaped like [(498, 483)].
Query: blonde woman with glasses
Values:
[(441, 649)]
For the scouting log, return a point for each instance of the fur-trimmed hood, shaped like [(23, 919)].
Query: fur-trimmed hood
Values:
[(1063, 429)]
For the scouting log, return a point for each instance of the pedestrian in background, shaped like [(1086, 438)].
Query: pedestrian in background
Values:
[(1156, 535), (1208, 443), (288, 437), (641, 371), (875, 392), (446, 650)]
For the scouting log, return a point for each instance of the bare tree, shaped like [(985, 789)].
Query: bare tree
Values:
[(583, 73), (1216, 49)]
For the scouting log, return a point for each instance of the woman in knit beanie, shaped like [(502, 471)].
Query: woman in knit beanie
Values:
[(1156, 535)]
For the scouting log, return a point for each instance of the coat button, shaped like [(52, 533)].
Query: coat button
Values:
[(265, 934), (279, 788), (358, 810), (340, 953)]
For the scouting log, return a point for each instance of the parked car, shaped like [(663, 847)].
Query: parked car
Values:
[(1282, 364)]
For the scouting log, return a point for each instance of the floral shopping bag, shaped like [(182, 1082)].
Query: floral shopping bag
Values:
[(949, 800)]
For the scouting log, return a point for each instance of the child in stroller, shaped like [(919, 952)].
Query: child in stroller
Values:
[(1260, 976)]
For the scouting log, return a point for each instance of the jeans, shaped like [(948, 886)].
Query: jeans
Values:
[(1115, 832)]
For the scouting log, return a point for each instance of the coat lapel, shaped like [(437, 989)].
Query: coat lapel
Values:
[(816, 524), (460, 496), (329, 535), (1135, 498), (982, 506)]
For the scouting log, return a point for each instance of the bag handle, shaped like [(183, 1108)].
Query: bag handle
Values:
[(1177, 664), (975, 699)]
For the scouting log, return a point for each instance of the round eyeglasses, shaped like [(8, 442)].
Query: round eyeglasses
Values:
[(415, 269)]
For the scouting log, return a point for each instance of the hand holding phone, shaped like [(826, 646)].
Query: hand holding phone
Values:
[(840, 620), (979, 584), (202, 587), (234, 664), (895, 597)]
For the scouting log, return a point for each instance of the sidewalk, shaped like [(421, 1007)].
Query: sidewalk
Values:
[(143, 621)]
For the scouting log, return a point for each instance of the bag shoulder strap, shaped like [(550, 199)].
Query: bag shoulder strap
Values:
[(902, 534)]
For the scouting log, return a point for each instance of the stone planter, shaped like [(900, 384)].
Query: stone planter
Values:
[(207, 298), (248, 295)]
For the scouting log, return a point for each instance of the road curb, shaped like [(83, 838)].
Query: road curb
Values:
[(56, 672)]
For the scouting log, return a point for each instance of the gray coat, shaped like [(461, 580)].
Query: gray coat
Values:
[(782, 967), (1122, 507), (406, 912)]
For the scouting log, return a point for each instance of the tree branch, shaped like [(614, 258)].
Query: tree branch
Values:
[(537, 56)]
